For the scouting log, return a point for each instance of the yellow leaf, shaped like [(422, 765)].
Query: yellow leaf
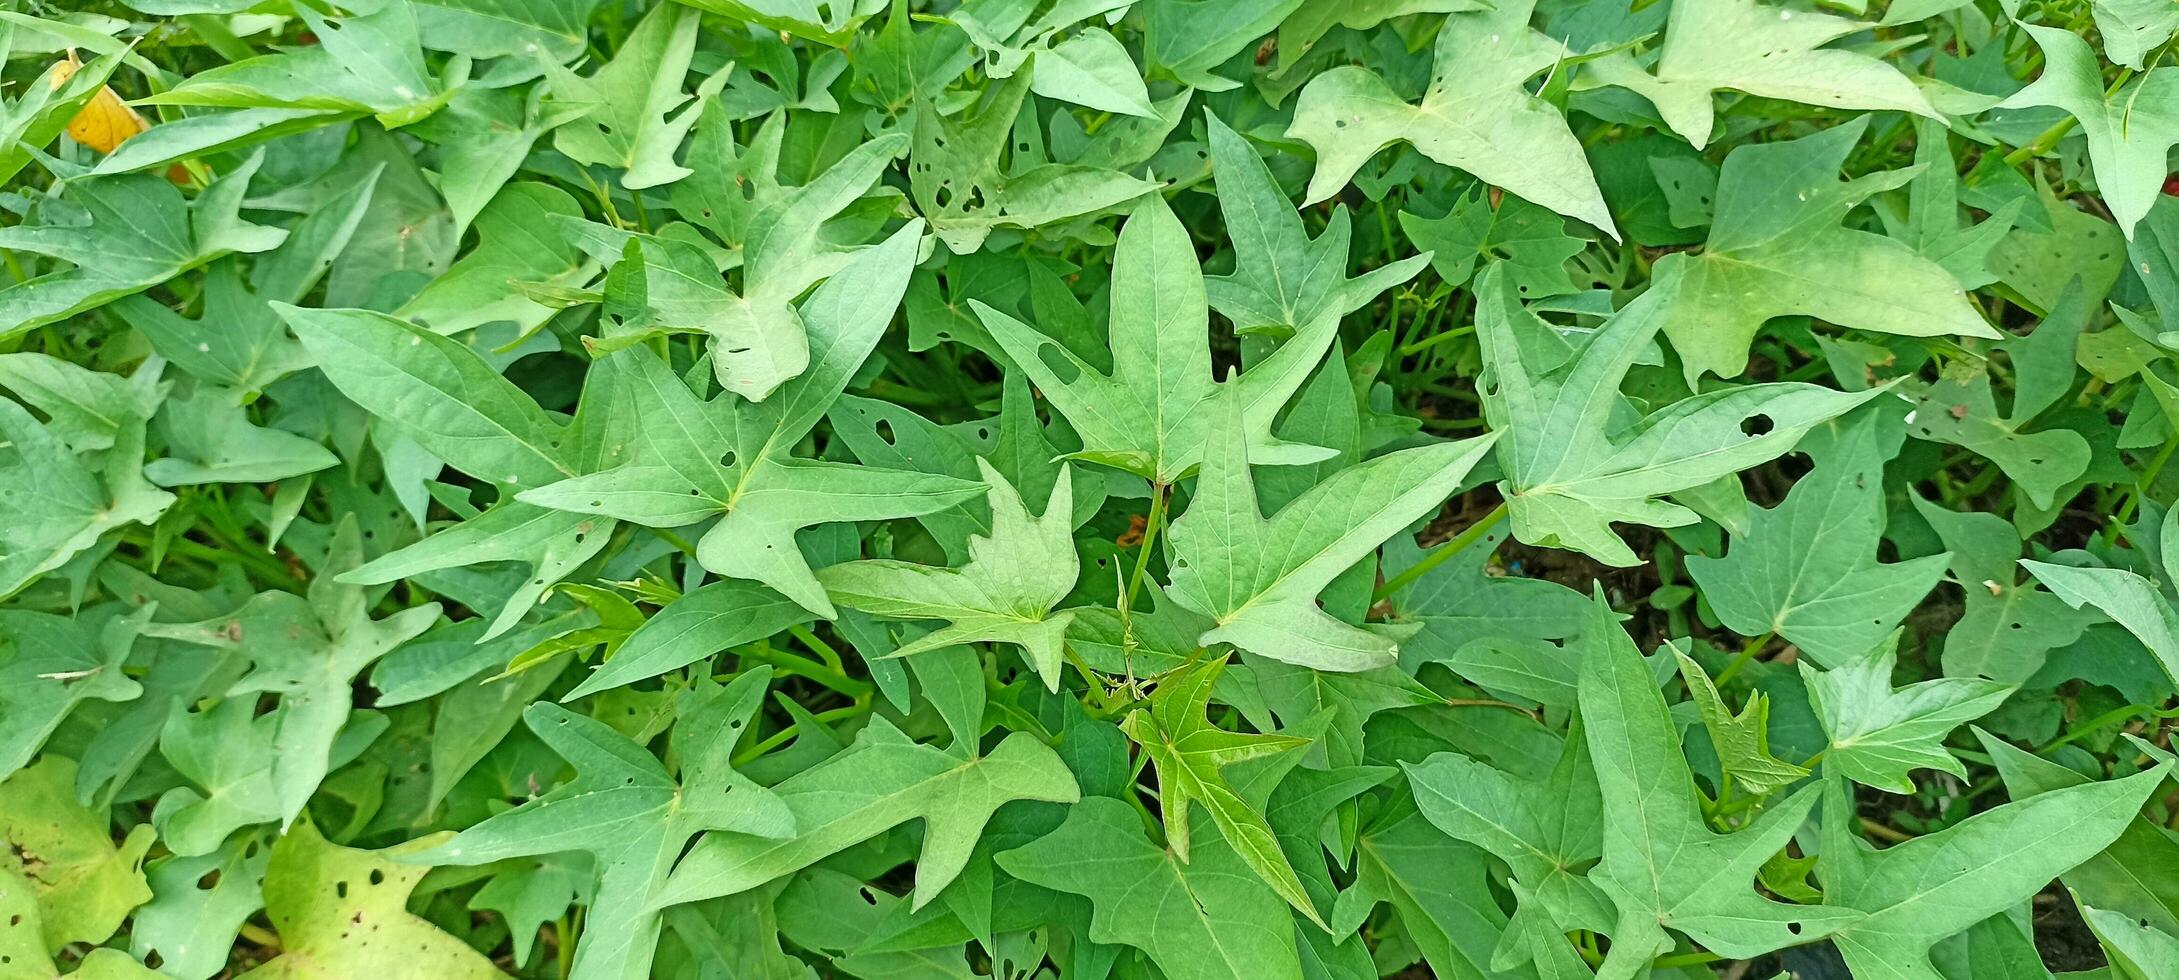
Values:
[(105, 122)]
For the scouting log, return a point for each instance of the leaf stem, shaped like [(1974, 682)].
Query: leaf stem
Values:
[(2148, 479), (819, 647), (2048, 138), (780, 737), (795, 666), (1744, 657), (1158, 493), (1442, 554)]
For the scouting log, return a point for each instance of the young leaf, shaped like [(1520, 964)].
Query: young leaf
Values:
[(1477, 115), (1879, 735), (1742, 741), (1190, 755), (1005, 594), (1662, 865), (1258, 579), (1776, 247), (1570, 470)]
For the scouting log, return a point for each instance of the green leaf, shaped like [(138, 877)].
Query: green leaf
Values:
[(758, 338), (2129, 129), (825, 23), (2130, 600), (1151, 415), (140, 233), (1571, 468), (49, 665), (86, 409), (372, 62), (1477, 115), (703, 621), (632, 815), (518, 247), (1092, 68), (881, 781), (1963, 410), (60, 502), (1771, 51), (1501, 631), (2132, 29), (1776, 247), (1190, 755), (629, 119), (1283, 281), (958, 184), (1531, 241), (192, 928), (1807, 569), (308, 650), (227, 752), (342, 912), (1435, 884), (1004, 594), (2131, 945), (210, 439), (1742, 741), (2009, 625), (1311, 21), (1662, 865), (1932, 223), (1919, 891), (1878, 734), (1188, 40), (1549, 832), (2133, 877), (699, 459), (1258, 579), (1209, 918)]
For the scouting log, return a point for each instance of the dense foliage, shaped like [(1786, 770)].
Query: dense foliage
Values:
[(1201, 489)]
